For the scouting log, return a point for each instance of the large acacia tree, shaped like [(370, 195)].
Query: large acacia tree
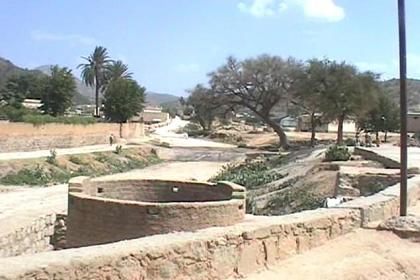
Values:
[(206, 106), (258, 84), (94, 71), (349, 93), (309, 91)]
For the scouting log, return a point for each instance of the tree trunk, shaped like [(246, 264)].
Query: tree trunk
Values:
[(280, 132), (340, 130), (313, 127), (121, 128), (386, 135), (377, 139), (96, 99)]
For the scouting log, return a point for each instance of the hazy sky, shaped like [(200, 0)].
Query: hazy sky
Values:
[(171, 45)]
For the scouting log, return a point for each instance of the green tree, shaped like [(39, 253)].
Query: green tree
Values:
[(309, 90), (60, 87), (205, 106), (116, 70), (123, 99), (259, 84), (23, 86), (348, 93), (94, 71), (383, 116)]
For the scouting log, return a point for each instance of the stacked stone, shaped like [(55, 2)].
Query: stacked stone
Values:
[(31, 239)]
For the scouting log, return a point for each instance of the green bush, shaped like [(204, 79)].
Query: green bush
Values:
[(192, 129), (36, 118), (76, 160), (337, 153), (249, 175), (118, 149), (52, 158)]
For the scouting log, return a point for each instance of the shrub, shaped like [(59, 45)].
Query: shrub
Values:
[(76, 160), (249, 175), (52, 158), (337, 153), (118, 149)]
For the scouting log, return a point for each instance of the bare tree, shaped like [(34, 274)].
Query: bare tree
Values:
[(258, 84)]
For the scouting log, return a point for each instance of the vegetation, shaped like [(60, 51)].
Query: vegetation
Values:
[(54, 170), (123, 99), (382, 116), (52, 158), (30, 116), (250, 175), (309, 91), (258, 84), (94, 71), (58, 91), (337, 153), (205, 105)]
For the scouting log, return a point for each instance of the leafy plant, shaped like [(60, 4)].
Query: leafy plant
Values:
[(76, 160), (249, 175), (118, 149), (337, 153), (52, 158)]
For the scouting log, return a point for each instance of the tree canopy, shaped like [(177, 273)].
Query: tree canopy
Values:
[(94, 71), (58, 92), (258, 84), (123, 99)]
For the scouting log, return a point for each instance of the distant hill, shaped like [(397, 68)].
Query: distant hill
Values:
[(8, 69), (392, 87), (156, 99)]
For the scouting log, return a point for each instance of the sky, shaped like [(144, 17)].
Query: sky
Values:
[(170, 46)]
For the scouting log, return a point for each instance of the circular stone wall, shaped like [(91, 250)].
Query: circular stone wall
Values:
[(102, 211)]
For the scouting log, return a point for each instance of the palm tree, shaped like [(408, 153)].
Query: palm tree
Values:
[(117, 70), (93, 72)]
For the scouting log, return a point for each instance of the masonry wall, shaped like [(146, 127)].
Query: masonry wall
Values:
[(34, 238), (213, 253), (28, 137), (135, 208)]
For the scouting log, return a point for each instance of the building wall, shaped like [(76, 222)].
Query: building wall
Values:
[(28, 137)]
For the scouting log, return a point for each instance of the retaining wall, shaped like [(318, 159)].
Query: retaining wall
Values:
[(28, 137), (30, 239)]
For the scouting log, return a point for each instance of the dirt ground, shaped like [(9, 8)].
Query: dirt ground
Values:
[(363, 254), (270, 138)]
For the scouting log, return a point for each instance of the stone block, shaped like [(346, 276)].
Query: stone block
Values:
[(251, 258)]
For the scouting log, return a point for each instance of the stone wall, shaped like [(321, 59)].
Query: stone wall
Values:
[(108, 211), (27, 137), (370, 155), (30, 239), (213, 253)]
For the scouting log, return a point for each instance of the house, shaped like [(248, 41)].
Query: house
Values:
[(150, 115), (304, 124), (33, 104), (413, 122)]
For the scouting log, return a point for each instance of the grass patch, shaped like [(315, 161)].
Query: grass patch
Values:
[(41, 172)]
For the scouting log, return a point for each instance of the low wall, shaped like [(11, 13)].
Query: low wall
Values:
[(27, 137), (370, 155), (108, 211), (31, 239), (214, 253)]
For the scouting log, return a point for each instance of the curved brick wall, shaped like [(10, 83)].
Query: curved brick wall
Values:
[(108, 211)]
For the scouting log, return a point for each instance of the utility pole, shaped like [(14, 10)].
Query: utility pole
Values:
[(403, 108)]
